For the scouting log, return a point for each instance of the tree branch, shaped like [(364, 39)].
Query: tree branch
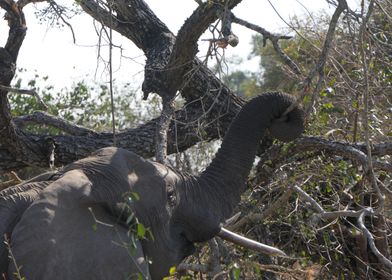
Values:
[(30, 92), (40, 117), (274, 39), (382, 259), (319, 67)]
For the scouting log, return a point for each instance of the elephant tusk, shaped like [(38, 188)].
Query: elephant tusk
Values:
[(249, 243)]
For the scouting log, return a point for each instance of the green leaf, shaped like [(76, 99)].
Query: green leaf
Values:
[(134, 196), (141, 230), (172, 270), (236, 273)]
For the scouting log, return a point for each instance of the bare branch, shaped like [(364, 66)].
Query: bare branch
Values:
[(319, 67), (274, 39), (370, 239), (365, 118), (57, 9), (40, 117), (30, 92), (342, 213), (305, 196)]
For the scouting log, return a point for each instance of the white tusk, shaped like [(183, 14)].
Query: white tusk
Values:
[(249, 243)]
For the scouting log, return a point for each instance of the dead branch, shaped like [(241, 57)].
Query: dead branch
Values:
[(366, 97), (274, 38), (30, 92), (319, 67), (382, 259)]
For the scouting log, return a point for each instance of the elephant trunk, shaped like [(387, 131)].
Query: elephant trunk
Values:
[(208, 199)]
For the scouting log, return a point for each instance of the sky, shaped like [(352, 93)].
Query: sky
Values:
[(50, 51)]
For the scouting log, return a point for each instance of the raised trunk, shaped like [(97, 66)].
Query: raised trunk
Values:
[(207, 200)]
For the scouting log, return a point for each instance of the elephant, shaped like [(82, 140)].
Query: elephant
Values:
[(76, 223)]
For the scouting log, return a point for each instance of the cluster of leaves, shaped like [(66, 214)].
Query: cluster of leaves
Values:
[(83, 104)]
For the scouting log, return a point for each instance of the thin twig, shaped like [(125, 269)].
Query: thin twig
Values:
[(111, 74), (59, 13), (17, 272), (304, 195), (365, 118)]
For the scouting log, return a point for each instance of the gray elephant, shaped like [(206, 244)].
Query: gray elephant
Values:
[(74, 224)]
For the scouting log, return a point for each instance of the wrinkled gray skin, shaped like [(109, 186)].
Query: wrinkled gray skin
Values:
[(69, 225)]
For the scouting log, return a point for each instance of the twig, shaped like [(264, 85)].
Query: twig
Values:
[(343, 213), (30, 92), (319, 67), (59, 13), (111, 73), (17, 272), (304, 195), (372, 176), (329, 215)]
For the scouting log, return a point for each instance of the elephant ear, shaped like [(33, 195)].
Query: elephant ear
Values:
[(67, 227), (13, 203)]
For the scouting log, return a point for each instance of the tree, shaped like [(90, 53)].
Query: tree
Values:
[(353, 174)]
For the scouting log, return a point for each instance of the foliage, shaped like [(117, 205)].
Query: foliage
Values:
[(86, 104)]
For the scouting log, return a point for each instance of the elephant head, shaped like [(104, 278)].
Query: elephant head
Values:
[(77, 227)]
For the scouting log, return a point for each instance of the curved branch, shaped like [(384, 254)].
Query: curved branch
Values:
[(382, 259)]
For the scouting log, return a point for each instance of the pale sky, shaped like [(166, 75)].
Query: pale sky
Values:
[(51, 51)]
